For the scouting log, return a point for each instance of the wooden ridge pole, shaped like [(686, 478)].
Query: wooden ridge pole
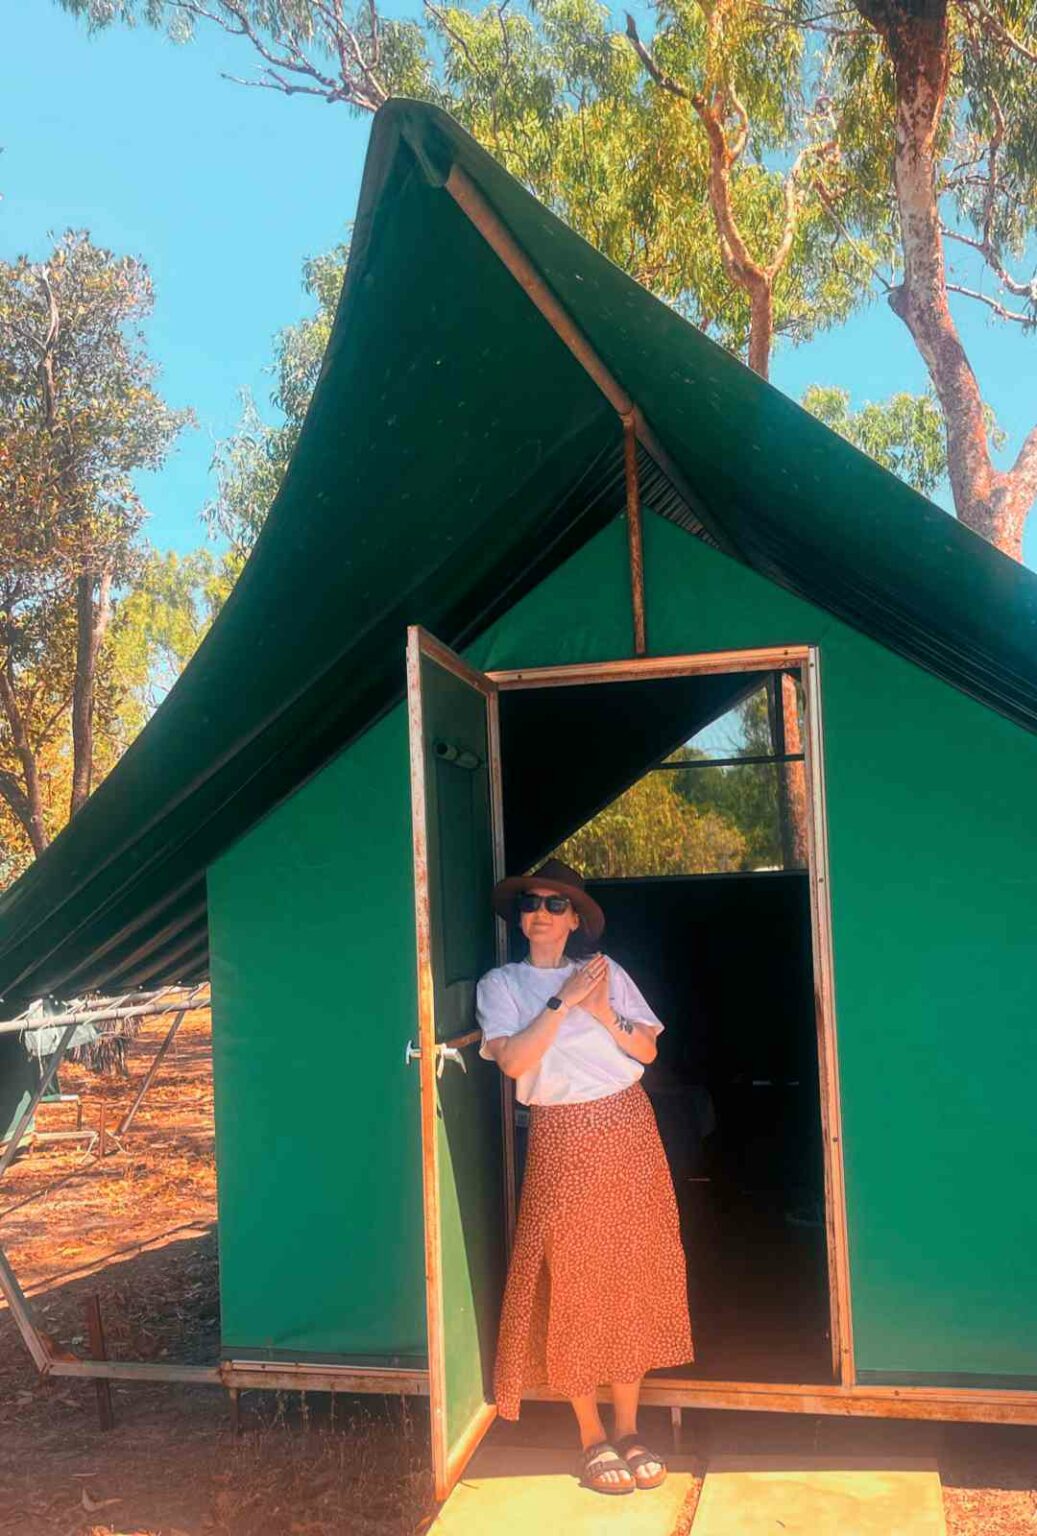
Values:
[(636, 429), (634, 539)]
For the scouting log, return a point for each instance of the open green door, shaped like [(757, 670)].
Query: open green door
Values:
[(455, 800)]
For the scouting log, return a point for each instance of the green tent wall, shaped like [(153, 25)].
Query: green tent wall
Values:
[(933, 857)]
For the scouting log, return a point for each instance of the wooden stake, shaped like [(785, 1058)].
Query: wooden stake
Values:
[(98, 1351)]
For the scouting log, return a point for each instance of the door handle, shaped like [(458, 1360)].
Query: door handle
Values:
[(443, 1054)]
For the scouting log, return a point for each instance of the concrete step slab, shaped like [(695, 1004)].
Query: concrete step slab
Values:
[(790, 1495)]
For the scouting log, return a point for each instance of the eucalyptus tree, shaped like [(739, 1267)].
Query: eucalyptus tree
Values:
[(938, 112), (79, 415)]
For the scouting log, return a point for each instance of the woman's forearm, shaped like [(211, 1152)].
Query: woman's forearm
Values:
[(520, 1052), (635, 1039)]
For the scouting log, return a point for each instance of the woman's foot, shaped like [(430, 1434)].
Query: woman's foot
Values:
[(648, 1469), (605, 1471)]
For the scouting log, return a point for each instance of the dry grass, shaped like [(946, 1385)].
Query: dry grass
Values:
[(138, 1230)]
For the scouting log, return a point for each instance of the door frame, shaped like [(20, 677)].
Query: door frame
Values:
[(806, 659)]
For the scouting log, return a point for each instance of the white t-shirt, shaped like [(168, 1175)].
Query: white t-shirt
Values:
[(583, 1061)]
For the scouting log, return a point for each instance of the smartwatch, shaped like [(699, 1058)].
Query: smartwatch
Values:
[(554, 1003)]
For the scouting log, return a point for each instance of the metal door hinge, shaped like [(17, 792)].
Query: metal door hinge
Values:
[(443, 1053)]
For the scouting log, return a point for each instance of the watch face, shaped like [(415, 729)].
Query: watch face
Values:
[(554, 1002)]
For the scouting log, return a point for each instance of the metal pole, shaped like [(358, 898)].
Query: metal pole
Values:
[(31, 1107), (149, 1076), (19, 1306), (102, 1015), (634, 540)]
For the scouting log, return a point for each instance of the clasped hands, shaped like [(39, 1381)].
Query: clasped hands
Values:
[(588, 988)]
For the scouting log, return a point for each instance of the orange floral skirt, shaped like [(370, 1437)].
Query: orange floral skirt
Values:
[(596, 1289)]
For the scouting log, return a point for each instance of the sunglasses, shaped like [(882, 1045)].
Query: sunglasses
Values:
[(527, 902)]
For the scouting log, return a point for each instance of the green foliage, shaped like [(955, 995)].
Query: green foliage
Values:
[(744, 797), (563, 100), (69, 499), (699, 820), (250, 465), (157, 627), (652, 830), (905, 434)]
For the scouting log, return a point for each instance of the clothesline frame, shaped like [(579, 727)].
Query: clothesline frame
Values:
[(178, 1001)]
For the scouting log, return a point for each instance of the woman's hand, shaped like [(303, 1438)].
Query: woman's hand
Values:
[(597, 1001), (587, 982)]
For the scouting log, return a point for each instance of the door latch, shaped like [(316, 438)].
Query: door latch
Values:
[(443, 1053)]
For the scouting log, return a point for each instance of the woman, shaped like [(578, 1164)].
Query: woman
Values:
[(596, 1289)]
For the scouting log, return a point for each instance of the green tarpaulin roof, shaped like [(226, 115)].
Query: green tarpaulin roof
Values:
[(453, 454)]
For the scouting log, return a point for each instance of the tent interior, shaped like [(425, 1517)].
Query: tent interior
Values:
[(704, 884)]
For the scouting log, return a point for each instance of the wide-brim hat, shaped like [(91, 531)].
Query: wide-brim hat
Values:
[(553, 876)]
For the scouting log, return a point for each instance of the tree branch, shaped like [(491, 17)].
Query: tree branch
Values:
[(358, 84), (999, 309), (663, 80), (828, 203), (455, 37), (45, 367), (993, 24), (31, 814), (1022, 290)]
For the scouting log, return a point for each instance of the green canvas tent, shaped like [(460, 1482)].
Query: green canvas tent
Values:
[(294, 822)]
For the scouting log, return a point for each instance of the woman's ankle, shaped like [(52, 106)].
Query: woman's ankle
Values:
[(592, 1436), (588, 1420)]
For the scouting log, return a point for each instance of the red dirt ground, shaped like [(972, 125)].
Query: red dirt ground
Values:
[(138, 1230)]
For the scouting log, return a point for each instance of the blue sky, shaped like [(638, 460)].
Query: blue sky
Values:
[(224, 191)]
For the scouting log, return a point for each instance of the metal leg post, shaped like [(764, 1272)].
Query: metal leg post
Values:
[(149, 1076)]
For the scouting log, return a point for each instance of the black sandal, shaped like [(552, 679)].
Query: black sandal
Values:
[(598, 1459), (637, 1458)]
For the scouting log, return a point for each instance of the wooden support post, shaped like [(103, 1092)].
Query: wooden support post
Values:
[(19, 1306), (677, 1425), (233, 1394), (634, 539), (98, 1350)]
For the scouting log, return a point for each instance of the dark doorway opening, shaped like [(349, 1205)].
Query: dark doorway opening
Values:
[(725, 957)]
